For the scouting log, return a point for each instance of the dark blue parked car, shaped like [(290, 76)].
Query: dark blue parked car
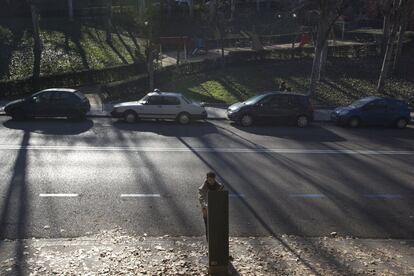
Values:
[(273, 107), (373, 111)]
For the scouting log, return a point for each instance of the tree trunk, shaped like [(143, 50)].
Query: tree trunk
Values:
[(142, 7), (316, 66), (321, 38), (402, 29), (169, 8), (386, 10), (109, 21), (150, 68), (190, 8), (37, 49), (258, 5), (213, 5), (387, 61), (397, 14), (232, 9), (70, 9), (324, 57)]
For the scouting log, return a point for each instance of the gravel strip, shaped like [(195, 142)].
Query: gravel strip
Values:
[(116, 253)]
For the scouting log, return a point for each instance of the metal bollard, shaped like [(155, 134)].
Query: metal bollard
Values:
[(218, 232)]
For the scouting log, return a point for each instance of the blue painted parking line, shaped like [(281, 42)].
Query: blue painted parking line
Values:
[(383, 196), (307, 195), (235, 195)]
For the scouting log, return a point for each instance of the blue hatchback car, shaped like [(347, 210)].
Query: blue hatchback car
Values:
[(373, 111)]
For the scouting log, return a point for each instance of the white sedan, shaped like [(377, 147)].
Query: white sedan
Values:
[(160, 105)]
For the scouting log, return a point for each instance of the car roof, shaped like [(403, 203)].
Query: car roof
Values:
[(165, 94), (372, 98), (285, 93), (60, 90)]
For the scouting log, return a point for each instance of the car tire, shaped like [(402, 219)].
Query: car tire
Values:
[(354, 122), (18, 115), (401, 123), (246, 120), (184, 118), (130, 116), (302, 121)]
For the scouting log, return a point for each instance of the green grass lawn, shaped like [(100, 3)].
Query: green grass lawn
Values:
[(85, 48), (346, 81)]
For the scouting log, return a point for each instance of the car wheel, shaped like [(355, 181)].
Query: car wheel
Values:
[(130, 116), (246, 120), (184, 118), (302, 121), (18, 115), (401, 123), (354, 122)]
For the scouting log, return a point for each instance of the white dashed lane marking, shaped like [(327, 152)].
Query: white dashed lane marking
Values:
[(139, 195), (58, 195)]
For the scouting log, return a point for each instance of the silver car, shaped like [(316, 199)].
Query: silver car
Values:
[(160, 105)]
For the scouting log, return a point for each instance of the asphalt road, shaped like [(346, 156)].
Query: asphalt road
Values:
[(65, 179)]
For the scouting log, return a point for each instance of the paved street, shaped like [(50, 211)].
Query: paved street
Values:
[(68, 179)]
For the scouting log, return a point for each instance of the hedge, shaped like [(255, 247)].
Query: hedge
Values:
[(20, 88)]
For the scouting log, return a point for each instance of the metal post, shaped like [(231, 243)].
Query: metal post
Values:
[(185, 51), (218, 232)]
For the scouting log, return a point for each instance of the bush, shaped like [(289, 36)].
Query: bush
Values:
[(6, 37), (20, 88)]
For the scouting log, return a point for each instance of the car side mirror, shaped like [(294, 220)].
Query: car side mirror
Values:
[(33, 100)]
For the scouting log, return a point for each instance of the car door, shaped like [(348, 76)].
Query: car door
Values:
[(263, 109), (277, 108), (152, 108), (171, 107), (41, 104), (60, 103), (375, 113)]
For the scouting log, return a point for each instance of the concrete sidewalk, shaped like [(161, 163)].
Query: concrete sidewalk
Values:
[(117, 253)]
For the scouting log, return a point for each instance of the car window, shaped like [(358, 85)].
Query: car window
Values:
[(155, 100), (376, 105), (80, 95), (44, 97), (171, 100), (186, 100), (280, 101), (61, 96)]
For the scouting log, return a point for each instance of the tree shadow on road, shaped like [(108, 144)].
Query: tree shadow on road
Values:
[(313, 133), (14, 216), (51, 126)]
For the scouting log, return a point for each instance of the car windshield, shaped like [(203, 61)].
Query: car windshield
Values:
[(254, 100), (144, 99), (359, 103)]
